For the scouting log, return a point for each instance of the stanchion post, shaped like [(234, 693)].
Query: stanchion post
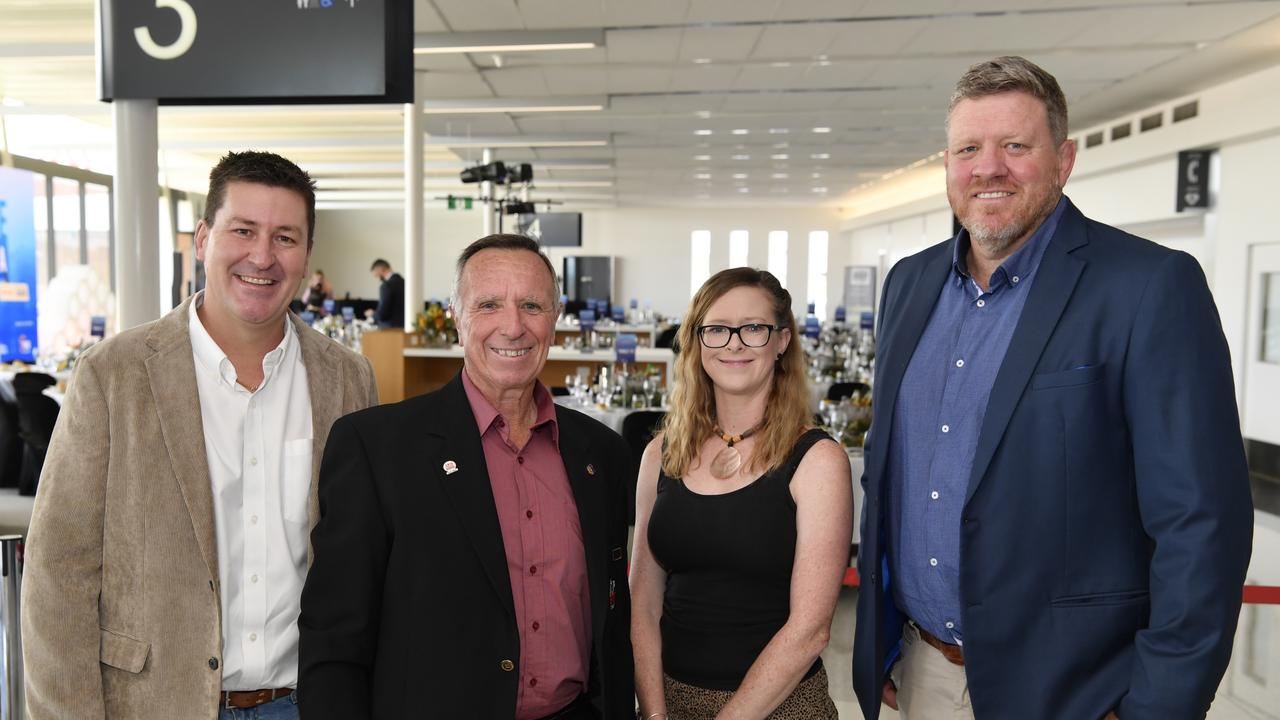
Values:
[(12, 706)]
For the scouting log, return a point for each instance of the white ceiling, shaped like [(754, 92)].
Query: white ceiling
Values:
[(759, 75)]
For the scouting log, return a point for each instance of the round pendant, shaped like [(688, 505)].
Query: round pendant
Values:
[(726, 463)]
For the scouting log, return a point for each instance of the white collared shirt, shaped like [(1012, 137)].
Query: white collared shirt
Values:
[(258, 446)]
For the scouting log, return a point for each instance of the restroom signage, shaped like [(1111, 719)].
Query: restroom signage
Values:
[(209, 52), (1193, 179)]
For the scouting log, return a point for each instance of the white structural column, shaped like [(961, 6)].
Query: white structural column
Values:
[(414, 239), (487, 191), (137, 208)]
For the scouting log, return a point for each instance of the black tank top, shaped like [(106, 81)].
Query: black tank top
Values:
[(728, 560)]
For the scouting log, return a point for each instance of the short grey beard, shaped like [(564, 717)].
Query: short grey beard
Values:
[(995, 242)]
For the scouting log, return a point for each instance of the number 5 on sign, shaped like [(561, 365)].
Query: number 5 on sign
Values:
[(186, 36)]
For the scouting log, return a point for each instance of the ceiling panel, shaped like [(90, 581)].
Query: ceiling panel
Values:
[(518, 82), (552, 14), (474, 15), (726, 11), (718, 44), (453, 85), (789, 42), (705, 78), (565, 80), (629, 79), (880, 38), (644, 46), (624, 13)]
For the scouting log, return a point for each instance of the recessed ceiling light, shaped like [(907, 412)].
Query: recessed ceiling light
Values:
[(739, 176), (702, 132), (701, 61), (741, 157), (820, 156), (780, 63), (778, 131), (779, 156), (703, 176), (703, 114), (822, 129), (780, 176), (741, 131), (744, 190), (701, 158), (819, 189), (816, 175)]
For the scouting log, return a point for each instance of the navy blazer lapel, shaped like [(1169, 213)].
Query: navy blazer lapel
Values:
[(919, 293), (1054, 283), (468, 487), (587, 481)]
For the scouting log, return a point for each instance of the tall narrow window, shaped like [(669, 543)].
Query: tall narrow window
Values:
[(739, 243), (817, 292), (699, 260), (778, 255)]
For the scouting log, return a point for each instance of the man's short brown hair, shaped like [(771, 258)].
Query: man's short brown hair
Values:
[(1011, 73), (263, 168)]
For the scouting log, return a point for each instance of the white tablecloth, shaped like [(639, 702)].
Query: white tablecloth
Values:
[(610, 417)]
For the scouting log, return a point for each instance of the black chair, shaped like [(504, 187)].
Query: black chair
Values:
[(842, 390), (638, 429), (10, 443), (667, 339), (37, 414)]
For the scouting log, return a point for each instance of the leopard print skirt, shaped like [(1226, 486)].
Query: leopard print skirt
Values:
[(811, 700)]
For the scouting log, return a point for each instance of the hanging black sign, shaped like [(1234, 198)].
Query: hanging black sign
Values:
[(239, 52), (1193, 179)]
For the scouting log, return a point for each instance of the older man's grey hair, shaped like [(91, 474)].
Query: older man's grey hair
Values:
[(1014, 74), (503, 241)]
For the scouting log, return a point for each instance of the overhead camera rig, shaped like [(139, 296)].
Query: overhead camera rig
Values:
[(509, 176)]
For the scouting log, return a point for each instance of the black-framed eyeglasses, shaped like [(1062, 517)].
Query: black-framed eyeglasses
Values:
[(752, 335)]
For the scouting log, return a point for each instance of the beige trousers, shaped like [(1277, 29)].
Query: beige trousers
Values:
[(930, 687)]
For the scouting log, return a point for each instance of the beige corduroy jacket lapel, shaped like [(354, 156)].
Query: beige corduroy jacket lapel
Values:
[(172, 373)]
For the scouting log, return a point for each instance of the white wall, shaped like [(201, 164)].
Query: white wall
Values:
[(652, 247)]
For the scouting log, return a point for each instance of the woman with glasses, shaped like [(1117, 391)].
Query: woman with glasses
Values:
[(743, 521)]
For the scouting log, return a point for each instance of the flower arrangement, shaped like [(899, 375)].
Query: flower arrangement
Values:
[(436, 326)]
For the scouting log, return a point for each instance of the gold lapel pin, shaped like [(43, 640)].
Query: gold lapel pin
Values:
[(591, 469)]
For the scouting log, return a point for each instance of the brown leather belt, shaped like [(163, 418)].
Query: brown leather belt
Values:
[(241, 700), (953, 653)]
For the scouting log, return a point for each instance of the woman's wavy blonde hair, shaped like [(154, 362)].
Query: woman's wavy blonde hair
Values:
[(693, 405)]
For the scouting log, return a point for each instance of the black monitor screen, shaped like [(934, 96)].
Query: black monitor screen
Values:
[(553, 229)]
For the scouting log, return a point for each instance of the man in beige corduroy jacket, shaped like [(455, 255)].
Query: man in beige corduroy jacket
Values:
[(169, 540)]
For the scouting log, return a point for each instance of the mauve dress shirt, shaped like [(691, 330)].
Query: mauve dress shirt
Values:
[(935, 425), (542, 538)]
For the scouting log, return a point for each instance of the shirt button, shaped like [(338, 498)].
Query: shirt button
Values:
[(528, 513), (950, 625), (213, 663), (253, 519), (982, 303), (934, 494), (533, 682), (1015, 279), (946, 428), (533, 569), (507, 665), (253, 637), (933, 562), (253, 461), (253, 578), (536, 625), (520, 459), (960, 363)]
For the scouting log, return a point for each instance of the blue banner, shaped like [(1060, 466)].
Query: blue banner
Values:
[(17, 266)]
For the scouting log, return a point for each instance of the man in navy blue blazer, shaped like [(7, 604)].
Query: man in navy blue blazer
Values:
[(1058, 515)]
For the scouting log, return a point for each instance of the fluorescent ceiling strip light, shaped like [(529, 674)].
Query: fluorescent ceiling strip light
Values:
[(514, 105), (516, 141), (506, 41)]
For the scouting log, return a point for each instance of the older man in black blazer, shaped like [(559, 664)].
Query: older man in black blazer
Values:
[(470, 556)]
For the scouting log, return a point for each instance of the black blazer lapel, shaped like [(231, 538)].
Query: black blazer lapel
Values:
[(468, 487), (586, 478), (1054, 283)]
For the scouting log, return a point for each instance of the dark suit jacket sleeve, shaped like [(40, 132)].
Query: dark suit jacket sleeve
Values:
[(1193, 493), (620, 703), (386, 301), (341, 601)]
